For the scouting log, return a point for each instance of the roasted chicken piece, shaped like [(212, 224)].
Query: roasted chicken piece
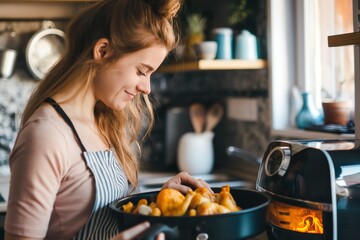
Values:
[(202, 196), (208, 204), (226, 199), (128, 207), (171, 202), (156, 212), (140, 203), (210, 208)]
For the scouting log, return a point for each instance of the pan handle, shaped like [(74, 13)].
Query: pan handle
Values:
[(154, 230), (243, 154)]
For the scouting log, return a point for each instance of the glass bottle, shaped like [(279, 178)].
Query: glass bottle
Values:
[(308, 115)]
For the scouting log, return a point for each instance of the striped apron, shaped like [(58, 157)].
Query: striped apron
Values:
[(110, 184)]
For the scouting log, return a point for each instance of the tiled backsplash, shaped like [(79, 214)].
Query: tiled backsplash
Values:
[(14, 93), (182, 89)]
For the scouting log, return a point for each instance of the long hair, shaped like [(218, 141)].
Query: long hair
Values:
[(129, 25)]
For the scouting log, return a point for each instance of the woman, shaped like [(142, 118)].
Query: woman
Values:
[(75, 151)]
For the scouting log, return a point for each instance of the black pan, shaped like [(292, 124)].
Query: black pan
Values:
[(248, 222)]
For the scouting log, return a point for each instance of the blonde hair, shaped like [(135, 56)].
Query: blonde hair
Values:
[(129, 25)]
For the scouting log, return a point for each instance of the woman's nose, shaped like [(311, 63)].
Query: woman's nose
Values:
[(144, 86)]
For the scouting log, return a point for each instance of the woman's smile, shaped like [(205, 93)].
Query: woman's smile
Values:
[(120, 82), (130, 95)]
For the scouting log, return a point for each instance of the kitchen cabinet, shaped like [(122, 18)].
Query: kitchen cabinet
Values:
[(235, 64)]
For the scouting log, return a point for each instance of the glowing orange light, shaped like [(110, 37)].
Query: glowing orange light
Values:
[(296, 218)]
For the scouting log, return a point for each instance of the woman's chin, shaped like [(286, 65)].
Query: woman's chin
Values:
[(120, 106)]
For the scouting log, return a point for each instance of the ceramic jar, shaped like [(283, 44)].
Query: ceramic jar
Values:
[(246, 46), (196, 153)]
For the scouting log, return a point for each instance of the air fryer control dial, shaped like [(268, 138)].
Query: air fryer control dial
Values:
[(277, 161)]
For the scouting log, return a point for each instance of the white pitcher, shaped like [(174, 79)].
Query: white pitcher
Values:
[(196, 153)]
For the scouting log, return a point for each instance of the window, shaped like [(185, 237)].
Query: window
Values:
[(332, 68), (300, 58)]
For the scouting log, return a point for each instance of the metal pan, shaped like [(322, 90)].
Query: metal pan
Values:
[(44, 49), (248, 222)]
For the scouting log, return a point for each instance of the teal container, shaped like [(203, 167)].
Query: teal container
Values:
[(308, 115), (223, 37)]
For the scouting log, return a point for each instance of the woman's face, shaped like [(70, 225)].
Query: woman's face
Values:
[(118, 83)]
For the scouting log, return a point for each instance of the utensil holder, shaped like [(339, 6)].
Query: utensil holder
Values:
[(196, 153)]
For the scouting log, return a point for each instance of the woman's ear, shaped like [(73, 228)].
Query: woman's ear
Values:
[(101, 49)]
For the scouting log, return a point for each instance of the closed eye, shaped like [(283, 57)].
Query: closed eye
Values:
[(140, 73)]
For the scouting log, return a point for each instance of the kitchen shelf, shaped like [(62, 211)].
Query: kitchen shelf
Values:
[(294, 133), (38, 10), (345, 39), (46, 1), (213, 65)]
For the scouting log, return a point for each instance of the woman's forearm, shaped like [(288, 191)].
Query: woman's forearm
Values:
[(9, 236)]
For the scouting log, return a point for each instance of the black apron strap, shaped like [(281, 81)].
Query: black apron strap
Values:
[(57, 107)]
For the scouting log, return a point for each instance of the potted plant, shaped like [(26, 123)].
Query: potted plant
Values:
[(337, 110), (239, 12), (196, 25), (245, 18)]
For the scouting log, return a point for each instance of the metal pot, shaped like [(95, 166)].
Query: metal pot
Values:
[(44, 49), (246, 223), (7, 62)]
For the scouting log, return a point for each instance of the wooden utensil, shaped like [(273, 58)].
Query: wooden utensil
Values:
[(197, 116), (213, 116)]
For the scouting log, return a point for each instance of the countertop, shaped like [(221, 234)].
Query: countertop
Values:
[(152, 181), (149, 181)]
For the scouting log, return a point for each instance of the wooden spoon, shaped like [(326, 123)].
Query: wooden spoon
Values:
[(197, 116), (213, 116)]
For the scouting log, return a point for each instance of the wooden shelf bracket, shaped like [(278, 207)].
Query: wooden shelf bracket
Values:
[(344, 39)]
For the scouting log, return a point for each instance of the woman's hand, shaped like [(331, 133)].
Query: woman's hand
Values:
[(135, 231), (183, 182)]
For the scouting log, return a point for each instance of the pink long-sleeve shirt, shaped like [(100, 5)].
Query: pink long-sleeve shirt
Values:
[(52, 190)]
